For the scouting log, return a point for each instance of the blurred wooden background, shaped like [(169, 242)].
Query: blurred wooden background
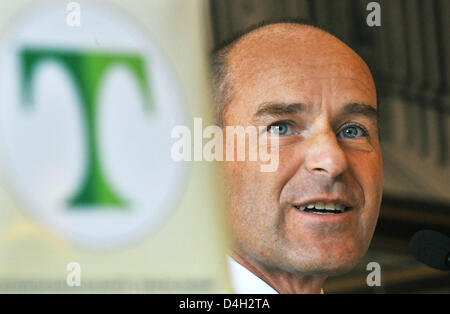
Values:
[(409, 55)]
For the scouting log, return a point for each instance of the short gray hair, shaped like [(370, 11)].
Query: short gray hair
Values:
[(222, 86)]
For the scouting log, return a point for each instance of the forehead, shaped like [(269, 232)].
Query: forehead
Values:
[(285, 61)]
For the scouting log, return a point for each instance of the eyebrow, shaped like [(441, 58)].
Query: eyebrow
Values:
[(283, 109), (279, 109), (361, 109)]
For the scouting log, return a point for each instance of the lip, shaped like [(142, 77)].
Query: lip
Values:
[(327, 218), (348, 204)]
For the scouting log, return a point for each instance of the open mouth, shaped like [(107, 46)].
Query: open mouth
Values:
[(321, 208)]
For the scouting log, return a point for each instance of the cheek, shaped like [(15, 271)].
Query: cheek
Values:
[(252, 194), (253, 211), (367, 170), (290, 161)]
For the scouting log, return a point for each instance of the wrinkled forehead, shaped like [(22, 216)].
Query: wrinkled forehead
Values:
[(283, 52)]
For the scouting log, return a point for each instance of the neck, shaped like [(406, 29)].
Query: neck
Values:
[(282, 281)]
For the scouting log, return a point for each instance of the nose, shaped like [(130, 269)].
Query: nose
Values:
[(324, 155)]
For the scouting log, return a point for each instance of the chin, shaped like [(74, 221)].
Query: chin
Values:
[(343, 265), (328, 269), (328, 264), (340, 269)]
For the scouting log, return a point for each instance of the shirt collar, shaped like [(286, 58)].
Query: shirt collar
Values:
[(244, 281)]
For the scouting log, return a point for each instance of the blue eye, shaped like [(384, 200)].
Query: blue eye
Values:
[(353, 131), (280, 128)]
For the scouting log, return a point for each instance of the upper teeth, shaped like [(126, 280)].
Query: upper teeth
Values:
[(323, 205)]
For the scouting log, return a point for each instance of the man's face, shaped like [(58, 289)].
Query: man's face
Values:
[(319, 97)]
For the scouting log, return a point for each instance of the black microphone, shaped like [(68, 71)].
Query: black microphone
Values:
[(431, 248)]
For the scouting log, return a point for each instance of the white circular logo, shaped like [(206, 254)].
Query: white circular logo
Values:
[(86, 114)]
